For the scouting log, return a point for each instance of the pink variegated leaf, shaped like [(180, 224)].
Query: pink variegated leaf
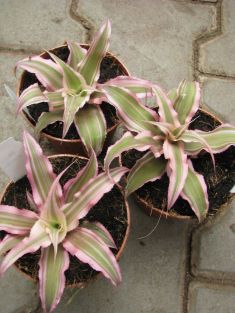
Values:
[(91, 126), (84, 175), (76, 55), (193, 137), (47, 118), (30, 95), (52, 215), (90, 194), (16, 221), (46, 71), (31, 202), (8, 243), (166, 111), (187, 101), (55, 100), (37, 238), (219, 140), (52, 277), (72, 104), (39, 170), (141, 142), (177, 169), (140, 87), (195, 192), (73, 82), (89, 67), (101, 233), (88, 248), (172, 95), (133, 114), (146, 169)]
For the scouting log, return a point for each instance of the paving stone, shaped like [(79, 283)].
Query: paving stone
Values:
[(218, 95), (154, 39), (211, 299), (17, 293), (217, 56), (213, 253), (37, 25), (151, 269)]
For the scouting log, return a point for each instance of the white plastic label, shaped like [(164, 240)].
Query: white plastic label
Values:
[(12, 160), (233, 189)]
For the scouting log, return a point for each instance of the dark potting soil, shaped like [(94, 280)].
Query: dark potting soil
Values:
[(110, 68), (109, 211), (219, 182)]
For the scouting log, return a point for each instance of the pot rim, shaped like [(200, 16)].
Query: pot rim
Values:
[(120, 251), (30, 120), (154, 211)]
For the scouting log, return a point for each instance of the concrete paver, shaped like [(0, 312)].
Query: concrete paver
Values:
[(155, 39), (37, 25), (218, 95), (211, 299), (218, 55), (151, 268), (213, 253), (159, 47)]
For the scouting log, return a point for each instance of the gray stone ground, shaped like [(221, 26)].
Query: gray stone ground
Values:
[(180, 268)]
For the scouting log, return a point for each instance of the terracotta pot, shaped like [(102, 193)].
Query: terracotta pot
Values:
[(120, 251), (157, 212), (71, 145)]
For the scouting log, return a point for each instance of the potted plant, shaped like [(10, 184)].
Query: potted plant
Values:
[(60, 93), (183, 159), (59, 88), (54, 226)]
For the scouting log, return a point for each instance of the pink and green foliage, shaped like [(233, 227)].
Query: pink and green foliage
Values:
[(52, 224), (167, 140), (72, 91)]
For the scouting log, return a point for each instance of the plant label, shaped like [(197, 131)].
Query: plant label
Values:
[(12, 160)]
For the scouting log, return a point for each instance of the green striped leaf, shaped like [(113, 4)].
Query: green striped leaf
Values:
[(52, 276), (195, 192), (187, 102), (8, 243), (166, 111), (91, 126), (76, 55), (140, 142), (72, 105), (89, 67), (73, 82), (133, 114), (46, 71), (55, 100), (37, 238), (90, 194), (30, 95), (74, 185), (46, 119), (16, 221), (172, 95), (218, 140), (39, 170), (146, 169), (101, 232), (88, 248), (177, 169)]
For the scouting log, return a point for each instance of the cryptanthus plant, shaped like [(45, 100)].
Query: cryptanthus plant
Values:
[(53, 224), (169, 143), (71, 89)]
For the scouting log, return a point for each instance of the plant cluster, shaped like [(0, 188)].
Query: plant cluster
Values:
[(169, 143), (53, 225), (155, 122)]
